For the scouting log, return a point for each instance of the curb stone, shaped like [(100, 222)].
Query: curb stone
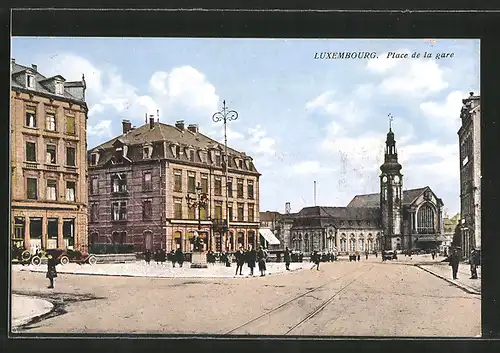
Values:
[(153, 276), (461, 286)]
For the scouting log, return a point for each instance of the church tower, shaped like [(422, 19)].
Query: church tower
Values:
[(391, 185)]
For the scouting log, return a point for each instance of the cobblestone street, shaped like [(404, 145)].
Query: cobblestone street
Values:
[(345, 298)]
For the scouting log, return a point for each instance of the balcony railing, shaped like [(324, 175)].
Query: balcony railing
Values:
[(33, 165)]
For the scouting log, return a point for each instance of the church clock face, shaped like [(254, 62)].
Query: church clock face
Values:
[(396, 179), (384, 179)]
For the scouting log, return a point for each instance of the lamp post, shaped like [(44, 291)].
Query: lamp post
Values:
[(199, 201), (225, 115)]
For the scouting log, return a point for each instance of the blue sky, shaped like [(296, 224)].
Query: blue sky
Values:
[(303, 120)]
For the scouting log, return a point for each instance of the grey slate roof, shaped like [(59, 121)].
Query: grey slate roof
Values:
[(340, 217), (18, 81), (136, 138), (373, 200)]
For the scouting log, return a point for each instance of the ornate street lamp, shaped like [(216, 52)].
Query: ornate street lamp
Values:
[(225, 115), (199, 201)]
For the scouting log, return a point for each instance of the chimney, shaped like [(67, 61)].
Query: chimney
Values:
[(151, 121), (193, 128), (145, 118), (127, 126), (471, 93), (158, 115), (34, 67), (13, 60), (180, 124)]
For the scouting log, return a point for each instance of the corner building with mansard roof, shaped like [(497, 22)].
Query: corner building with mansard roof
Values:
[(48, 119), (393, 219), (140, 183)]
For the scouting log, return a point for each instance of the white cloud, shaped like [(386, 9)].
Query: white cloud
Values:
[(444, 115), (309, 167), (408, 77), (101, 129)]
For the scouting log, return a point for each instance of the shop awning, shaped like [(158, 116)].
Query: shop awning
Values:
[(269, 236)]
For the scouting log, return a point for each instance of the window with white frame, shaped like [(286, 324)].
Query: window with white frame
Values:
[(119, 182), (51, 189), (50, 122), (30, 117), (50, 155), (70, 191), (119, 210), (343, 244), (59, 87), (30, 81)]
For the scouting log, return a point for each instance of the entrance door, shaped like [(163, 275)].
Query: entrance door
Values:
[(148, 240)]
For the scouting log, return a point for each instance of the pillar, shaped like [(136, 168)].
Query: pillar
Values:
[(60, 241), (27, 233), (44, 233)]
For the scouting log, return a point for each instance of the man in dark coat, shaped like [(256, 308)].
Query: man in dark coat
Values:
[(316, 258), (473, 261), (287, 258), (172, 257), (51, 271), (261, 258), (147, 256), (366, 254), (179, 256), (358, 256), (251, 256), (454, 262), (240, 260)]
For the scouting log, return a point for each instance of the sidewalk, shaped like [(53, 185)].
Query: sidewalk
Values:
[(24, 309), (165, 270), (443, 270)]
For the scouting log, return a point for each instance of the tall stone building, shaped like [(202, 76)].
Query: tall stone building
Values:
[(140, 183), (394, 218), (469, 136), (48, 160)]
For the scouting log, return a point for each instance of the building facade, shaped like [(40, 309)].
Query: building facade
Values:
[(469, 136), (48, 160), (393, 219), (141, 182)]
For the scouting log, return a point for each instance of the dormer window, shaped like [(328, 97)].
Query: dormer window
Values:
[(218, 158), (94, 158), (119, 155), (59, 88), (147, 151), (191, 155), (30, 81), (240, 163), (178, 151)]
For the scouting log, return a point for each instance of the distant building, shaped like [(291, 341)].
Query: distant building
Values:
[(394, 219), (450, 224), (469, 136), (139, 184), (48, 160), (272, 221)]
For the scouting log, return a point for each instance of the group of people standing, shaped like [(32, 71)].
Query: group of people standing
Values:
[(474, 261), (251, 257)]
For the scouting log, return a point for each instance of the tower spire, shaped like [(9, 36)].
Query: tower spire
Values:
[(391, 118)]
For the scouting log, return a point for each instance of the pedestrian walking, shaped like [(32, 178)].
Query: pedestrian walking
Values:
[(240, 260), (179, 256), (261, 258), (147, 256), (287, 258), (433, 254), (474, 261), (172, 257), (359, 257), (316, 258), (454, 262), (51, 271), (251, 256), (366, 254), (376, 254)]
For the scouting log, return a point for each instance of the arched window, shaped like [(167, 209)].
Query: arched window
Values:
[(370, 244), (189, 246), (343, 244), (177, 239), (425, 219), (251, 238), (241, 237), (352, 244), (306, 242), (361, 244)]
